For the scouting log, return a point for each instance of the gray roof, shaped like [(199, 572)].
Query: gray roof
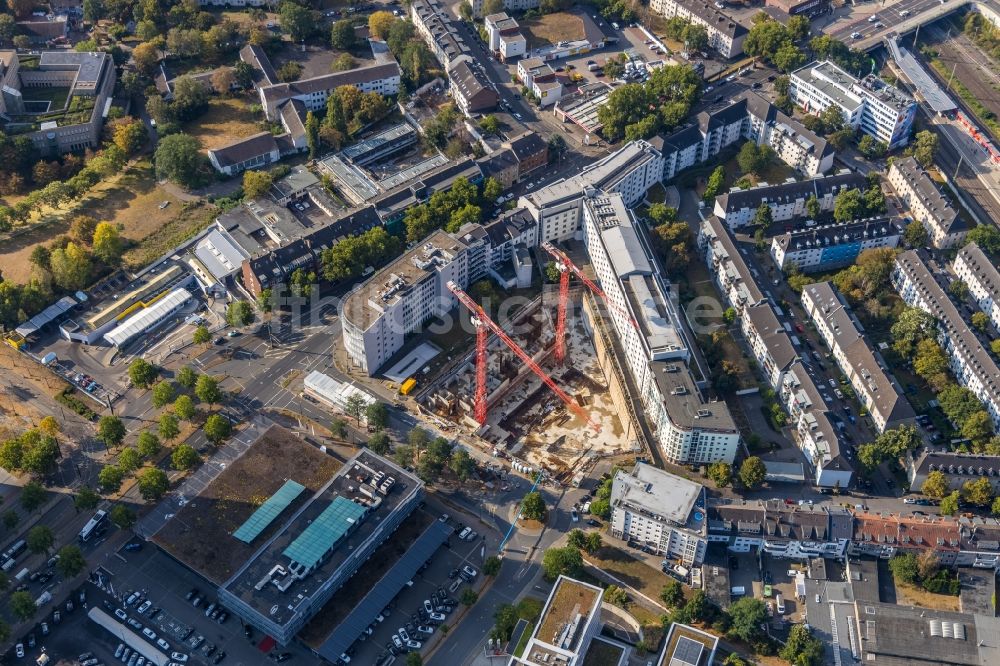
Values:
[(829, 235), (894, 634), (982, 267), (384, 591), (924, 188), (772, 334), (244, 149), (939, 100), (470, 81), (886, 396), (327, 82), (656, 493), (731, 261), (963, 341), (709, 14), (256, 57), (91, 64), (736, 199), (528, 145)]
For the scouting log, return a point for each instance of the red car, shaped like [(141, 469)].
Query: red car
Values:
[(798, 327)]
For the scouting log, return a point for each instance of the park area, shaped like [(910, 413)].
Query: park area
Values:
[(552, 29), (200, 535)]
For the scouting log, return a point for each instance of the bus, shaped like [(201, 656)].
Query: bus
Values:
[(92, 525)]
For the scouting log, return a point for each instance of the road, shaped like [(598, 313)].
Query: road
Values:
[(890, 18)]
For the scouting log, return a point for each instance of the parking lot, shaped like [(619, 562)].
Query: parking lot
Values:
[(442, 578)]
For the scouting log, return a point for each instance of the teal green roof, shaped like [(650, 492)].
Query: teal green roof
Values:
[(268, 511), (324, 532)]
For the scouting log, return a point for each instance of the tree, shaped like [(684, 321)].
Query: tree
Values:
[(762, 217), (600, 508), (342, 35), (379, 24), (86, 499), (414, 658), (949, 505), (201, 335), (110, 478), (122, 517), (593, 542), (987, 238), (533, 506), (714, 184), (788, 58), (931, 363), (995, 508), (978, 427), (562, 561), (848, 205), (924, 147), (802, 648), (217, 428), (184, 407), (468, 597), (207, 389), (142, 373), (107, 243), (904, 568), (747, 614), (70, 266), (616, 596), (489, 124), (11, 519), (461, 464), (872, 148), (129, 460), (184, 457), (753, 158), (147, 444), (178, 158), (936, 485), (911, 326), (980, 321), (978, 492), (256, 184), (721, 473), (355, 406), (813, 209), (403, 455), (146, 56), (22, 606), (111, 430), (71, 561), (163, 393), (296, 20), (672, 594), (916, 234), (343, 63), (239, 313), (223, 80), (378, 443), (40, 539), (40, 453), (153, 482), (377, 415), (491, 567), (338, 428), (752, 472), (167, 427)]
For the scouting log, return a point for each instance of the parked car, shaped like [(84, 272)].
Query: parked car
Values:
[(219, 657)]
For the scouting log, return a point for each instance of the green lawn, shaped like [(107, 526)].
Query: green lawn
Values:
[(56, 95)]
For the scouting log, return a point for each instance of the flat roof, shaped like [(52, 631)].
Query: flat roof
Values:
[(571, 607), (832, 81), (314, 538), (147, 317), (657, 493), (687, 646), (413, 171), (373, 143)]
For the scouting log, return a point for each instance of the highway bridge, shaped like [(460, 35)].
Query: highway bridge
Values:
[(902, 18)]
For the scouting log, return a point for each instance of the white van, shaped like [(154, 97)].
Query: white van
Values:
[(780, 603)]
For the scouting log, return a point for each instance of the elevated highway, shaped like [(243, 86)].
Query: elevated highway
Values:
[(903, 18)]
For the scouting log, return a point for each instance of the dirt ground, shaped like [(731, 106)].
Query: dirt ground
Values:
[(227, 119), (911, 595), (200, 534), (551, 29), (131, 200)]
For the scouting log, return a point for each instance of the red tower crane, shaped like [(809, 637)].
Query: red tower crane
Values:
[(483, 321), (566, 266)]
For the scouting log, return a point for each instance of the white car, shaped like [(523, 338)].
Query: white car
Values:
[(402, 634), (149, 633), (397, 642), (424, 629), (436, 617), (179, 657), (120, 614), (165, 646), (414, 645), (575, 516), (133, 599), (19, 650), (855, 35), (144, 607), (427, 606), (909, 500)]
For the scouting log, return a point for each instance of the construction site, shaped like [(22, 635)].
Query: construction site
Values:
[(535, 389)]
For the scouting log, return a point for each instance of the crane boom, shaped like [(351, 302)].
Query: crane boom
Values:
[(562, 257), (483, 318)]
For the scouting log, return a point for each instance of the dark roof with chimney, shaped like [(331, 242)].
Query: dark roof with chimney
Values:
[(528, 145), (787, 192)]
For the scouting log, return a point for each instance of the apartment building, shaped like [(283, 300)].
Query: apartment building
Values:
[(769, 342), (729, 271), (395, 301), (435, 27), (981, 276), (868, 104), (787, 201), (508, 5), (875, 388), (471, 88), (972, 365), (687, 428), (313, 92), (558, 207), (661, 511), (830, 246), (725, 35), (958, 468), (926, 203), (254, 152), (504, 36), (495, 248), (782, 531), (569, 623), (748, 117)]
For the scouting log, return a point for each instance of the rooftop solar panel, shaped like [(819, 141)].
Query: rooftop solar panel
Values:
[(324, 532), (268, 511)]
